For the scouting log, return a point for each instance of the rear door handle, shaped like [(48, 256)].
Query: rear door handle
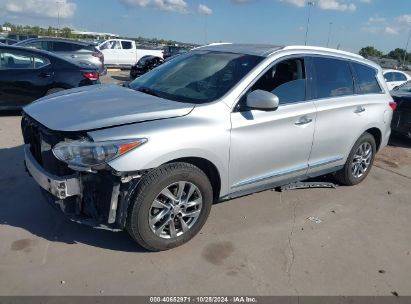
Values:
[(359, 109), (303, 121)]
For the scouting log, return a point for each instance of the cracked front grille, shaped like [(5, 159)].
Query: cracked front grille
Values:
[(41, 141)]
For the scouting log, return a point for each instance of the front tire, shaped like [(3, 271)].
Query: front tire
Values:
[(359, 162), (170, 206)]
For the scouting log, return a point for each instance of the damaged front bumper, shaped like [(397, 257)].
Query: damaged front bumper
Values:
[(61, 187), (97, 200)]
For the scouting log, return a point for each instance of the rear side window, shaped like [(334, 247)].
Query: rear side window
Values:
[(332, 78), (127, 45), (59, 46), (40, 62), (366, 79), (400, 77)]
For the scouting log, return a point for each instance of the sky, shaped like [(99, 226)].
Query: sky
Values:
[(384, 24)]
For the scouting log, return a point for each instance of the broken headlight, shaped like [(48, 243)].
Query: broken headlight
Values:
[(89, 154)]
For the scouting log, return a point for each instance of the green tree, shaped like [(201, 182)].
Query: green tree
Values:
[(370, 51)]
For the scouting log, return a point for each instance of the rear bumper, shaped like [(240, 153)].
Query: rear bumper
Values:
[(60, 187)]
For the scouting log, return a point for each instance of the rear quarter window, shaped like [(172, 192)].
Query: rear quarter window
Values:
[(366, 79)]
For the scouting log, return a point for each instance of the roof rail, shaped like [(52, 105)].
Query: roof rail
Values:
[(317, 48)]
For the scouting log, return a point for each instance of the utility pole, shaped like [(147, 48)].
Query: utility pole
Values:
[(58, 16), (406, 47), (329, 34), (310, 4)]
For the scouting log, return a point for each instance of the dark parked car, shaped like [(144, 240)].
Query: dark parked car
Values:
[(81, 52), (401, 120), (28, 74), (170, 50), (145, 64), (8, 41)]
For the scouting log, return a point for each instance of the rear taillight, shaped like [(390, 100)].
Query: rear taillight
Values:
[(393, 105), (91, 75)]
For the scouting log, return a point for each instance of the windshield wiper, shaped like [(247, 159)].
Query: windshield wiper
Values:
[(148, 91)]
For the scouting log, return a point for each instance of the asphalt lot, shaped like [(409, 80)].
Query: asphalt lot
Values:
[(262, 244)]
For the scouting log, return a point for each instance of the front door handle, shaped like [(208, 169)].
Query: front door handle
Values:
[(303, 121), (45, 75), (359, 109)]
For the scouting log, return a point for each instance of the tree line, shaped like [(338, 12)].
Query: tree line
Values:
[(67, 32), (397, 54)]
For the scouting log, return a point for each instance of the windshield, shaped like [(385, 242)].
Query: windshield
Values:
[(196, 77)]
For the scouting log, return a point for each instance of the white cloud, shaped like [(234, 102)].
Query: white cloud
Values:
[(390, 30), (390, 26), (298, 3), (40, 8), (336, 5), (204, 10), (179, 6)]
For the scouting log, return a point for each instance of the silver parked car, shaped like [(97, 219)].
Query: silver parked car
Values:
[(217, 123), (80, 52)]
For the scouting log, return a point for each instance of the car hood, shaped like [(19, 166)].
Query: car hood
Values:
[(101, 106)]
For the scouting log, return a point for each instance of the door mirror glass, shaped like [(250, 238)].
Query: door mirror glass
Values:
[(262, 100)]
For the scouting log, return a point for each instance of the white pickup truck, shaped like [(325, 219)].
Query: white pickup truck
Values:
[(124, 53)]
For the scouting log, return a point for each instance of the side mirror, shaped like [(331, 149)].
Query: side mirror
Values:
[(262, 100)]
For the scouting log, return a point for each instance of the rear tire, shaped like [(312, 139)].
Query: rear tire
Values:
[(160, 222), (54, 90), (359, 161)]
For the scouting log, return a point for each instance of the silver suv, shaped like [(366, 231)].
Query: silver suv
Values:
[(219, 122)]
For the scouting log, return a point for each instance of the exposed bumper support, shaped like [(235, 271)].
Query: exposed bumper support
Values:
[(61, 187)]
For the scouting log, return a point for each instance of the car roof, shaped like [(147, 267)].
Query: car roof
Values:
[(265, 50), (55, 39)]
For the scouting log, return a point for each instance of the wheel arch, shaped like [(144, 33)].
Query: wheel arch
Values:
[(377, 134), (208, 168)]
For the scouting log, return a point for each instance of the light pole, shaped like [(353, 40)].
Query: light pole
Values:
[(406, 47), (310, 4), (329, 33), (58, 16)]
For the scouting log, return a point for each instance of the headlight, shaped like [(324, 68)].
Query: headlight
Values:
[(88, 154)]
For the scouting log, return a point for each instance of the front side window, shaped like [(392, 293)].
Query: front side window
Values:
[(127, 45), (197, 77), (286, 79), (366, 78), (389, 77), (40, 45), (332, 78), (15, 60)]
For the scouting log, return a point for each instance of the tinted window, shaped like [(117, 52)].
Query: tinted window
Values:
[(40, 62), (59, 46), (40, 45), (332, 78), (405, 87), (389, 77), (286, 80), (400, 77), (366, 79), (127, 45), (15, 60), (197, 77)]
